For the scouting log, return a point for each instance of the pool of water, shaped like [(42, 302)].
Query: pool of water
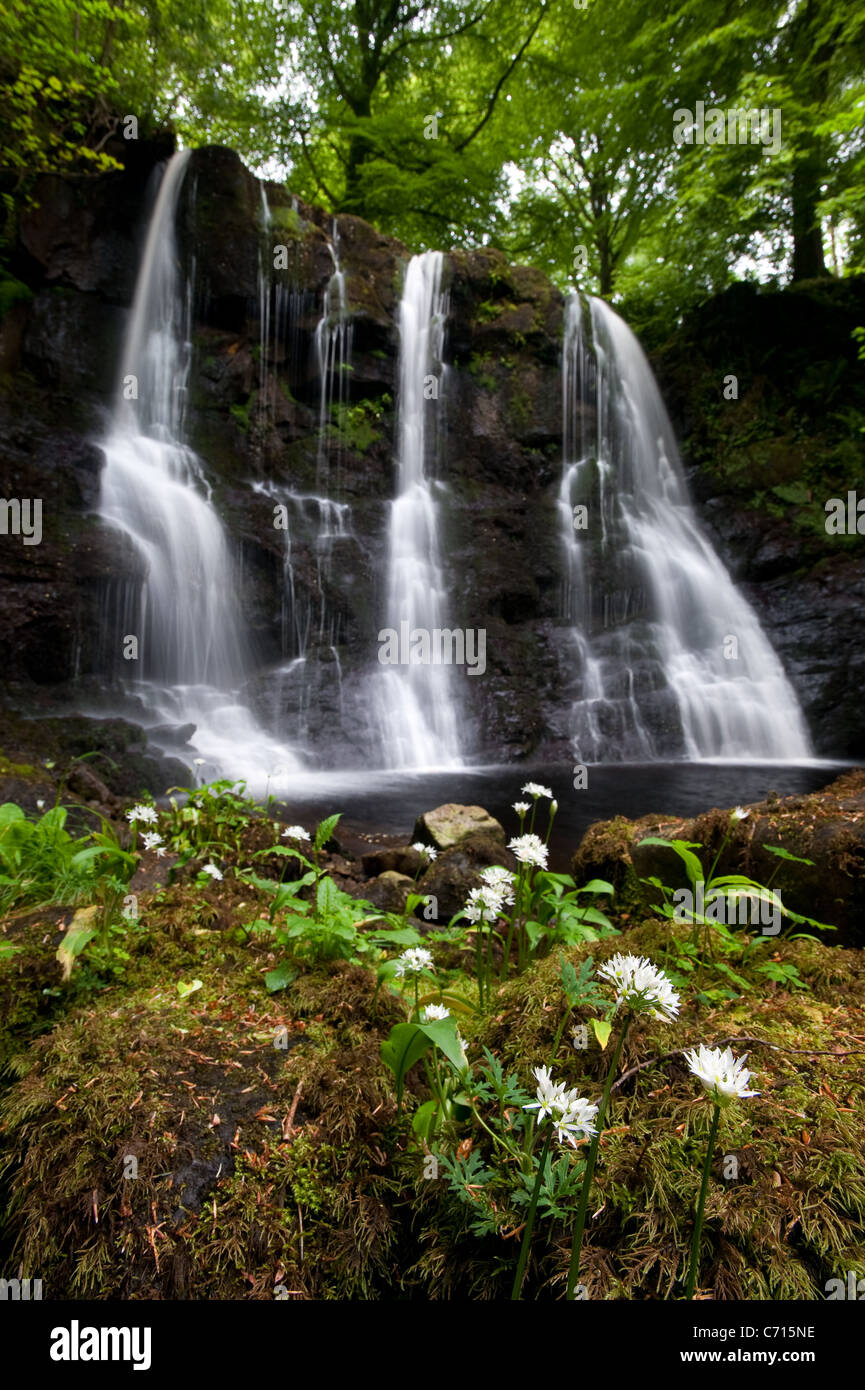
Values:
[(386, 804)]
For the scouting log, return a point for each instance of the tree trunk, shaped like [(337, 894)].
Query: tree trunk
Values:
[(808, 260)]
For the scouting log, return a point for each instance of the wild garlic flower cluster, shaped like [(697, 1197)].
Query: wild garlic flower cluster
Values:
[(724, 1077), (529, 849), (295, 832), (414, 961), (141, 811), (488, 902), (641, 986), (571, 1115), (426, 850)]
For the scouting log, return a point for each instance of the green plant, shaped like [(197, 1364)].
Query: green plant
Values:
[(41, 862)]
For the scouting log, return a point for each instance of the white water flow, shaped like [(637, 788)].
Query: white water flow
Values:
[(187, 618), (671, 659), (415, 705), (333, 336)]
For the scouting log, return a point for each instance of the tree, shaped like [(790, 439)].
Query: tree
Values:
[(395, 110)]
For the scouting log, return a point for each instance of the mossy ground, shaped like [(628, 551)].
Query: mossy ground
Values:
[(270, 1162)]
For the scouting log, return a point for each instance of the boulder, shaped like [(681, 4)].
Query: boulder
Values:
[(457, 870), (389, 890), (826, 827), (403, 859), (448, 825)]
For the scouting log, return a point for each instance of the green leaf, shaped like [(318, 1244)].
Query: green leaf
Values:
[(395, 936), (81, 930), (279, 978), (443, 1032), (785, 854), (602, 1030), (598, 885), (184, 989), (404, 1046), (682, 848), (423, 1119), (325, 830)]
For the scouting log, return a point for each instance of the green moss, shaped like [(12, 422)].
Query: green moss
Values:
[(355, 426), (266, 1168), (23, 771), (241, 413), (288, 223), (12, 292), (480, 369)]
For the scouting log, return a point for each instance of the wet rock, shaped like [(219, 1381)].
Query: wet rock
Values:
[(456, 870), (449, 824), (402, 859), (389, 890), (89, 787), (173, 734)]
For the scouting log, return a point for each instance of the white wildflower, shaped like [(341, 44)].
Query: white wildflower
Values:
[(641, 986), (199, 762), (522, 808), (40, 805), (142, 812), (571, 1114), (414, 961), (576, 1122), (502, 879), (433, 1012), (724, 1077), (212, 870), (529, 849), (295, 832), (485, 903), (426, 850), (739, 814), (535, 789), (151, 840)]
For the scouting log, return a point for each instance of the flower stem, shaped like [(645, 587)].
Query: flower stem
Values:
[(701, 1206), (573, 1273), (558, 1038), (530, 1219)]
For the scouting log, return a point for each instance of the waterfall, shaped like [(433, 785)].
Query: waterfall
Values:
[(185, 613), (671, 660), (313, 524), (415, 707), (333, 336)]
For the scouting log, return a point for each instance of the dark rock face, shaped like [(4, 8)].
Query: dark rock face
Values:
[(254, 418)]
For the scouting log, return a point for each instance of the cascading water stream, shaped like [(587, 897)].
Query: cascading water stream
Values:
[(415, 706), (333, 337), (310, 626), (185, 614), (672, 660)]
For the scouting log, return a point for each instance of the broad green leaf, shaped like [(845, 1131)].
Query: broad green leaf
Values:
[(280, 977), (395, 936), (598, 885), (405, 1045), (443, 1032), (423, 1119), (602, 1029)]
